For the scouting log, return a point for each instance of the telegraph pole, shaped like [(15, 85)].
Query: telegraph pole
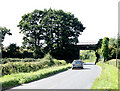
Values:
[(117, 49), (118, 30)]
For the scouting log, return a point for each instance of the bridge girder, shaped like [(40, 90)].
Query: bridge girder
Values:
[(86, 47)]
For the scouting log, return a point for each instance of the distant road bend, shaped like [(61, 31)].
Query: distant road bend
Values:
[(70, 79)]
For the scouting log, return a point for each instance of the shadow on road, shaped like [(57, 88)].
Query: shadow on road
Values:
[(81, 69), (89, 64)]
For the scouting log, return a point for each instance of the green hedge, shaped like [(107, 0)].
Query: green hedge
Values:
[(20, 78), (46, 58), (16, 67), (6, 60)]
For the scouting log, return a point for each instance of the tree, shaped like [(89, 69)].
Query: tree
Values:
[(54, 29), (3, 32), (88, 54), (31, 27), (112, 48), (104, 48), (118, 40), (13, 50), (62, 29), (99, 44)]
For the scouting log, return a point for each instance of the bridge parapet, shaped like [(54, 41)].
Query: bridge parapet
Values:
[(86, 46)]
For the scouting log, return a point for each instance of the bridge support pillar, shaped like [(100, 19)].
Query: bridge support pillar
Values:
[(79, 54)]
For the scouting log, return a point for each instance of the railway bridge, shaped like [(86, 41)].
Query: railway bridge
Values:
[(85, 46)]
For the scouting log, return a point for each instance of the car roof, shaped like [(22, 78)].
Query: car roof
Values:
[(77, 60)]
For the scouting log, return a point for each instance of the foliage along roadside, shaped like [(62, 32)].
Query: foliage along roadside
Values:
[(113, 62), (6, 60), (21, 78), (16, 67), (88, 55), (108, 78)]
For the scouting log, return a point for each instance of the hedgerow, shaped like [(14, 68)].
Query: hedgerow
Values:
[(16, 67), (21, 78), (26, 66), (6, 60)]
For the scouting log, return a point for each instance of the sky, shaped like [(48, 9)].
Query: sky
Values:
[(100, 17)]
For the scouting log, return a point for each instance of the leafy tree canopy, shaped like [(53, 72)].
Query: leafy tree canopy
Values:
[(3, 32), (99, 44), (104, 48), (51, 28)]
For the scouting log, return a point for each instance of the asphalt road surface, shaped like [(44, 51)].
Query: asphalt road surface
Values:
[(70, 79)]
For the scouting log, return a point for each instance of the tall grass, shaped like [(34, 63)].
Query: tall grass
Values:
[(108, 78), (113, 62)]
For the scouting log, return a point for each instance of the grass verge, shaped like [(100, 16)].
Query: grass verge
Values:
[(108, 78), (8, 81)]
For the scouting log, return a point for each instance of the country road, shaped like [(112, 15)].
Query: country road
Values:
[(70, 79)]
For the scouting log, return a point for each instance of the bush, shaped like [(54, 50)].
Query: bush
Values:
[(59, 62), (6, 60), (62, 62), (16, 67), (48, 57)]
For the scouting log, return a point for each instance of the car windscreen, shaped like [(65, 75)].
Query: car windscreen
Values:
[(77, 62)]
